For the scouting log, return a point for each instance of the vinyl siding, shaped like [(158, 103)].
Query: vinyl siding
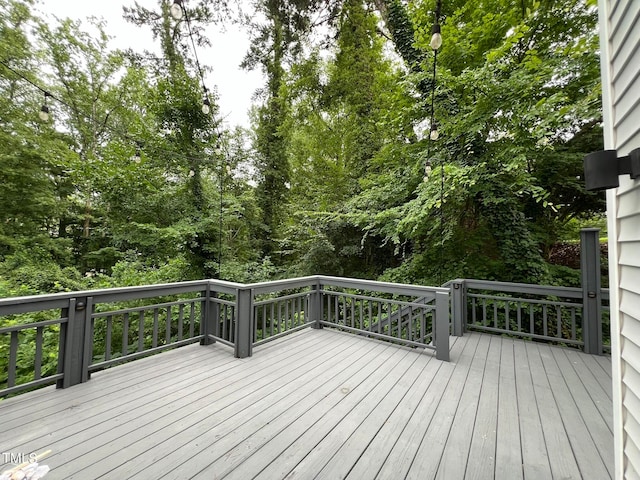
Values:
[(620, 30)]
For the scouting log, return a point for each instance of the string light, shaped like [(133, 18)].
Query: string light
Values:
[(206, 106), (176, 10), (44, 110), (137, 157), (436, 36), (427, 170), (434, 134)]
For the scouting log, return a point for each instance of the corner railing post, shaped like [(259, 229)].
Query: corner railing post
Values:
[(591, 290), (315, 305), (73, 354), (441, 327), (244, 323), (210, 312), (458, 307)]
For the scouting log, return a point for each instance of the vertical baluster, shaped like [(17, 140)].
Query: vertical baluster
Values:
[(353, 312), (13, 358), (167, 336), (507, 322), (156, 316), (192, 319), (495, 314), (390, 320), (559, 317), (337, 309), (38, 360), (230, 319), (264, 323), (125, 335), (413, 317), (473, 310), (370, 317), (224, 322), (256, 319), (519, 315), (484, 312), (379, 315), (361, 320), (573, 323), (180, 320), (545, 322), (141, 331), (295, 310), (532, 324), (107, 347)]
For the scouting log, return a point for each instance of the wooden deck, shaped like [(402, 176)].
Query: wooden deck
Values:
[(325, 404)]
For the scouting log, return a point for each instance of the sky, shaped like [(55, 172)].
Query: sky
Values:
[(234, 86)]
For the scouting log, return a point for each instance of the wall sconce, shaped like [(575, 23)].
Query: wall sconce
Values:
[(601, 169)]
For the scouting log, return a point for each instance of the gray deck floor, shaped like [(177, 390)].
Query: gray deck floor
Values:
[(326, 404)]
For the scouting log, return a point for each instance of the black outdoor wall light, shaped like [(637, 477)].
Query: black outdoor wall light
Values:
[(601, 169)]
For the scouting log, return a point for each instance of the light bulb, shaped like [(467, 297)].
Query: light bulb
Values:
[(176, 10), (434, 134), (191, 173), (217, 150), (427, 170), (228, 169), (206, 106), (44, 113), (425, 179), (436, 37), (136, 157)]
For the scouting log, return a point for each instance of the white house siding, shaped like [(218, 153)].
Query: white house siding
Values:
[(620, 45)]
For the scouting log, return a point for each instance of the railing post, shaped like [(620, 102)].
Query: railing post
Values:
[(244, 323), (210, 312), (441, 327), (458, 307), (591, 290), (73, 342), (315, 306)]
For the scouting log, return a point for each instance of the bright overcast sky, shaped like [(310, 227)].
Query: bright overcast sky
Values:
[(235, 86)]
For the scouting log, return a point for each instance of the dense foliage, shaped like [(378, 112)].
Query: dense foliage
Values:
[(130, 182)]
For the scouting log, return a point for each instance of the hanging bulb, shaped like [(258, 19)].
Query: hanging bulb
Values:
[(217, 150), (434, 134), (137, 158), (229, 169), (176, 10), (44, 113), (206, 106), (191, 173), (44, 110), (427, 171), (436, 37)]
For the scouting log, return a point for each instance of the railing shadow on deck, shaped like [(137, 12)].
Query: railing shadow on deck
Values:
[(63, 338)]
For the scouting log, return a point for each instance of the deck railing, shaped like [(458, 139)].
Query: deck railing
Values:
[(547, 313), (63, 338)]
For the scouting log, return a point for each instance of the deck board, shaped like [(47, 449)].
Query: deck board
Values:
[(508, 462), (326, 404)]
